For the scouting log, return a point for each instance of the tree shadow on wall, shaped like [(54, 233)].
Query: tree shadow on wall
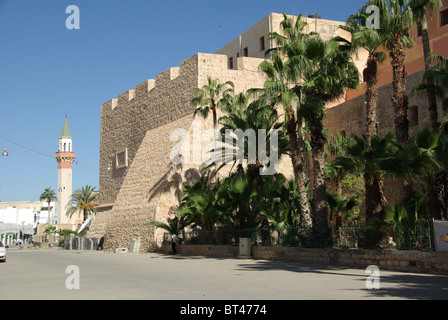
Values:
[(173, 179)]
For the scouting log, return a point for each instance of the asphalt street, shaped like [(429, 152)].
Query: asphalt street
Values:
[(45, 274)]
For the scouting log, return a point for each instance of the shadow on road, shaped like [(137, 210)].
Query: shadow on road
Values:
[(392, 284)]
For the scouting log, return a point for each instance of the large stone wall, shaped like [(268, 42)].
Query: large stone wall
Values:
[(141, 121), (136, 127), (126, 119)]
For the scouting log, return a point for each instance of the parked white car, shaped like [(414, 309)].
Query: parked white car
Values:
[(2, 252)]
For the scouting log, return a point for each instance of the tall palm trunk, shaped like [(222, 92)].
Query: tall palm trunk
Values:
[(399, 98), (375, 203), (435, 193), (298, 164), (49, 215), (319, 186), (215, 117), (371, 98), (432, 102), (375, 200)]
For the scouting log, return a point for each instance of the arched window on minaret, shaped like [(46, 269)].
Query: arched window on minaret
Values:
[(65, 147)]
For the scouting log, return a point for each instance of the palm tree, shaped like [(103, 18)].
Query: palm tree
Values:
[(48, 195), (278, 207), (173, 225), (198, 204), (376, 161), (334, 172), (422, 10), (403, 221), (428, 149), (436, 78), (84, 200), (252, 146), (315, 72), (50, 230), (235, 198), (423, 159), (395, 20), (278, 88), (327, 74), (337, 205), (371, 41), (209, 98)]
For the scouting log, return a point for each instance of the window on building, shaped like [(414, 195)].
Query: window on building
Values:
[(262, 44), (445, 105), (444, 17), (231, 63), (121, 159), (237, 54), (413, 116), (246, 52)]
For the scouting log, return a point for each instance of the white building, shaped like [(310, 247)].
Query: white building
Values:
[(19, 219)]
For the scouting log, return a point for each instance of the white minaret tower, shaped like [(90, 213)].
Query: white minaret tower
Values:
[(65, 157)]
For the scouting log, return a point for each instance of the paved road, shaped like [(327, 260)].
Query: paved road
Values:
[(41, 274)]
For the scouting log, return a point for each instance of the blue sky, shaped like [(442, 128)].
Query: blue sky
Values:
[(47, 70)]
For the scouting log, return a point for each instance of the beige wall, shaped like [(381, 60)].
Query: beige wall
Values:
[(142, 121)]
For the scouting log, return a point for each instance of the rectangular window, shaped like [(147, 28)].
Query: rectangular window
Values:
[(444, 17), (121, 159), (245, 52), (262, 44), (413, 116), (231, 63)]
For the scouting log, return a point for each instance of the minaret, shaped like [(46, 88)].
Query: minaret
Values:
[(65, 157)]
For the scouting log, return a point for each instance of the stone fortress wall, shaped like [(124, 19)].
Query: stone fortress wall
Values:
[(142, 183)]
